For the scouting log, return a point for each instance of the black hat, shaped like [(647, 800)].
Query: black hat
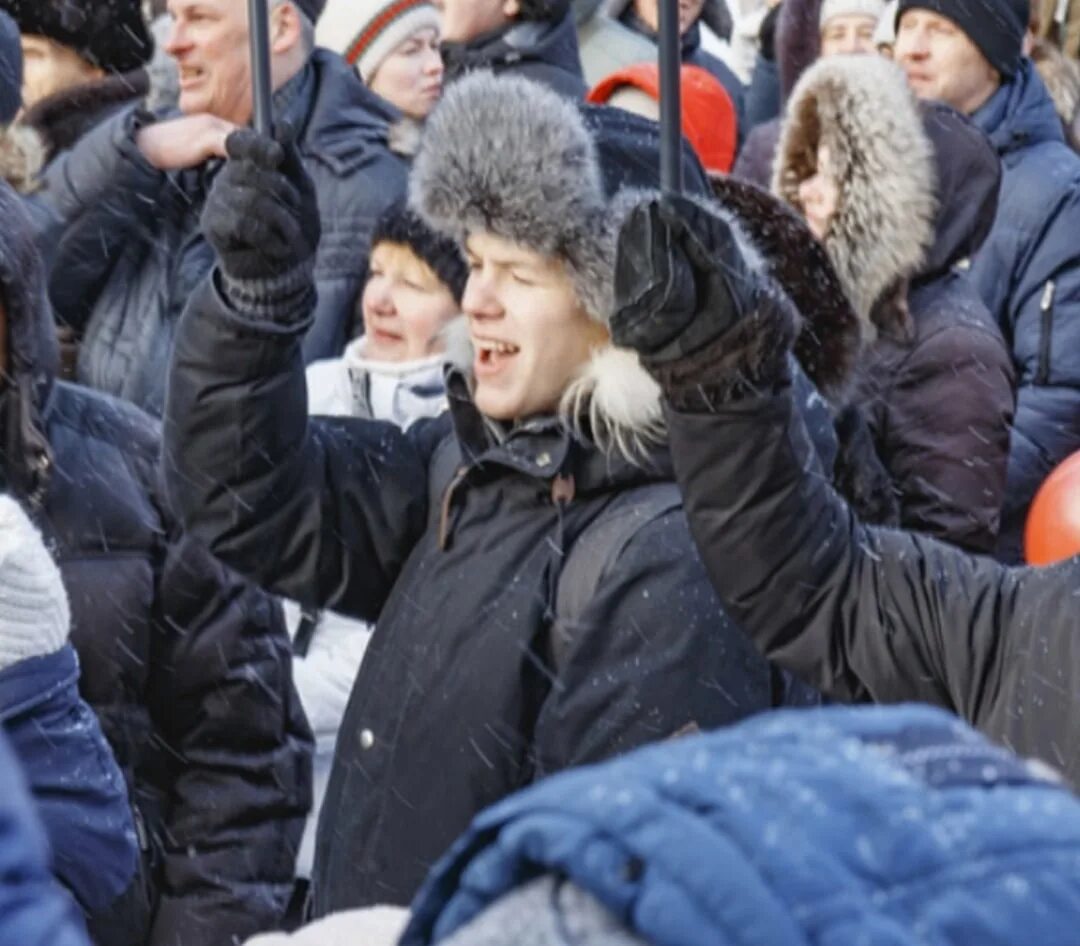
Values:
[(398, 224), (312, 9), (109, 34), (997, 27), (10, 69)]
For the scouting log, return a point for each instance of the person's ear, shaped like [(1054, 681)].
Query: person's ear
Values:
[(286, 29)]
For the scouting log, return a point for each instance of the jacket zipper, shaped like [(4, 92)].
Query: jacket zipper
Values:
[(1046, 334)]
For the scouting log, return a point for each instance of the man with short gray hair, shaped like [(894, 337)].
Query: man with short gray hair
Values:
[(128, 198)]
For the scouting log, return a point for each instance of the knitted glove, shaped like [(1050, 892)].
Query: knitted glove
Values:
[(703, 322), (34, 617), (262, 218)]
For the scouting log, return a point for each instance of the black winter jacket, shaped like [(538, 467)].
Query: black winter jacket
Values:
[(132, 252), (459, 701), (544, 51), (867, 613), (187, 666)]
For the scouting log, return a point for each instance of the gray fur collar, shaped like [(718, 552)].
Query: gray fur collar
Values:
[(861, 109)]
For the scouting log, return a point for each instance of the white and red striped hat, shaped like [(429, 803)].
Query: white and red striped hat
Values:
[(365, 32)]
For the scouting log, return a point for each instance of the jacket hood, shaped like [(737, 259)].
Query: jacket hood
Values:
[(32, 351), (860, 108), (1021, 113), (968, 175)]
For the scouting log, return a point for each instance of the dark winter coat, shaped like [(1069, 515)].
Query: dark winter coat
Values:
[(64, 118), (798, 44), (132, 252), (874, 614), (762, 94), (543, 51), (34, 911), (843, 825), (1028, 273), (78, 789), (934, 378), (459, 700), (187, 666)]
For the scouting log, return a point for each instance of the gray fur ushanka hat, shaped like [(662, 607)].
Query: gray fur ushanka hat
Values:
[(509, 157)]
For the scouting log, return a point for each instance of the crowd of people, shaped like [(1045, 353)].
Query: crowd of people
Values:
[(416, 527)]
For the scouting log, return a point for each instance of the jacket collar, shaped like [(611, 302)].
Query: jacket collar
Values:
[(1021, 113)]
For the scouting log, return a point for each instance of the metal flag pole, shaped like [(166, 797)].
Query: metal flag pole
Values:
[(670, 104), (262, 96)]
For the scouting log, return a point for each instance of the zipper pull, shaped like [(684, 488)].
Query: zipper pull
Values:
[(1048, 296)]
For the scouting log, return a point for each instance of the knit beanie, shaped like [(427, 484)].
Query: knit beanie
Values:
[(109, 34), (34, 617), (365, 32), (997, 27), (10, 69), (833, 8), (400, 225)]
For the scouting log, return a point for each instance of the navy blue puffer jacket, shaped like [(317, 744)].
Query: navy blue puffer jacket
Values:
[(1028, 273)]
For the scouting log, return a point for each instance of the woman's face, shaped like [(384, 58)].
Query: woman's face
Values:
[(819, 195), (530, 334), (649, 11), (405, 306), (411, 77)]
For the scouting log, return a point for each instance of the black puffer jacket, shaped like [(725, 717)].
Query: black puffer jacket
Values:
[(459, 700), (187, 666), (132, 252), (544, 51)]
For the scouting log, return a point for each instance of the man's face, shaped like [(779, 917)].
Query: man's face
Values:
[(850, 33), (209, 41), (49, 68), (530, 334), (649, 11), (465, 20), (942, 63)]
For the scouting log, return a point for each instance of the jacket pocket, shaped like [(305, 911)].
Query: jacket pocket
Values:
[(1046, 333)]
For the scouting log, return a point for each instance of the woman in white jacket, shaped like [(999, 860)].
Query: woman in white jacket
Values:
[(411, 310)]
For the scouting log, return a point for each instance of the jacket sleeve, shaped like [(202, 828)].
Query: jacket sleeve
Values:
[(95, 198), (33, 909), (324, 512), (222, 697), (863, 612), (652, 656), (947, 436)]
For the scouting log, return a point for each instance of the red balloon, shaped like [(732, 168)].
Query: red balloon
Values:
[(1053, 525)]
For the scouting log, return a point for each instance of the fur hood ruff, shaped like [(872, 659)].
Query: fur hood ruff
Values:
[(860, 108)]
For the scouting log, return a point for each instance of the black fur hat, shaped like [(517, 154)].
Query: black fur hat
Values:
[(398, 224), (109, 34)]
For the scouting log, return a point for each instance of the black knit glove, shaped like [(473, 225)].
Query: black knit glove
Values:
[(262, 218), (688, 302)]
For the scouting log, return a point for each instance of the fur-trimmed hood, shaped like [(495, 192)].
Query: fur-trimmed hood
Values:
[(860, 108), (511, 157)]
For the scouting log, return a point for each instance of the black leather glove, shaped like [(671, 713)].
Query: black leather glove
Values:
[(680, 280), (705, 324), (262, 218)]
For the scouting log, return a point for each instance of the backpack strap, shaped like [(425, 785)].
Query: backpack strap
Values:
[(596, 549)]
